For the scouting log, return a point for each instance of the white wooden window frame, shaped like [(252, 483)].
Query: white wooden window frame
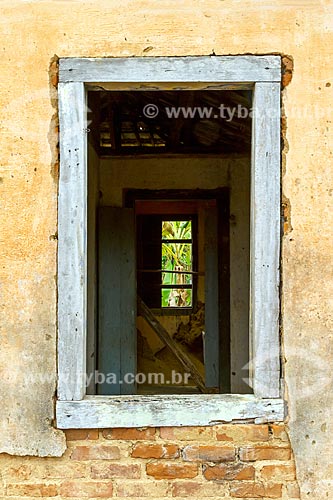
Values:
[(262, 74)]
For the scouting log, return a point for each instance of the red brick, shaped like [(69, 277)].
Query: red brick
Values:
[(286, 78), (86, 489), (241, 433), (185, 489), (278, 473), (171, 470), (129, 434), (187, 433), (54, 73), (62, 470), (148, 489), (229, 472), (279, 432), (155, 451), (32, 490), (209, 453), (81, 434), (287, 69), (255, 490), (54, 80), (109, 471), (287, 63), (251, 454), (19, 473), (197, 490), (96, 452)]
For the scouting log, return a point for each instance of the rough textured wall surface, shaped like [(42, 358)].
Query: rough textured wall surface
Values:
[(226, 461), (32, 32)]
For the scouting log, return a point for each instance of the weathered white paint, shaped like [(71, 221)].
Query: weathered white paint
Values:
[(265, 241), (178, 410), (227, 69), (72, 244)]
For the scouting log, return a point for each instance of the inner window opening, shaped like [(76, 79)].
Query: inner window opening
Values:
[(177, 263), (168, 214)]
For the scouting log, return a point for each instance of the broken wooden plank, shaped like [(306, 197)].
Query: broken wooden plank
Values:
[(144, 310), (176, 410)]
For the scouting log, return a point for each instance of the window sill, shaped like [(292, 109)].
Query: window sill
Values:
[(159, 411)]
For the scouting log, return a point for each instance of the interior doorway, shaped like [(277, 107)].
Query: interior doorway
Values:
[(169, 198)]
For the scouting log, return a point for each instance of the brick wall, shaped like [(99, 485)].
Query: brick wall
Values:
[(225, 461)]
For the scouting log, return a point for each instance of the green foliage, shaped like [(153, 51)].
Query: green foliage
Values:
[(176, 256)]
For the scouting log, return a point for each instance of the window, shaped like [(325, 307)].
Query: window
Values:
[(166, 261), (177, 262), (178, 326), (166, 256), (76, 405)]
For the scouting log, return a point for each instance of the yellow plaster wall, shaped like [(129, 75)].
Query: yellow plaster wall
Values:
[(31, 34)]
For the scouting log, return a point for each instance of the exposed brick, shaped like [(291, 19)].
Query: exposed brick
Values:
[(253, 453), (187, 433), (32, 490), (208, 453), (279, 432), (155, 451), (96, 452), (255, 490), (80, 489), (185, 489), (62, 471), (229, 472), (129, 434), (54, 73), (287, 63), (286, 78), (287, 69), (81, 434), (18, 473), (278, 472), (241, 433), (293, 491), (109, 471), (196, 490), (160, 470), (149, 489)]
